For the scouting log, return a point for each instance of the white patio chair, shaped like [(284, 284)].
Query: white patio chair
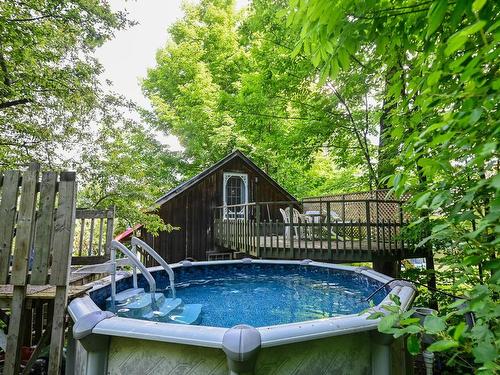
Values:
[(286, 219), (297, 218)]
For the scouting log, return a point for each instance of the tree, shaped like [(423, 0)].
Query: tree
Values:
[(196, 70), (54, 110), (49, 84), (440, 62), (124, 166), (289, 114), (267, 103)]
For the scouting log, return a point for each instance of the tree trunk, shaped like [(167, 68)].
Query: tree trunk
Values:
[(385, 146)]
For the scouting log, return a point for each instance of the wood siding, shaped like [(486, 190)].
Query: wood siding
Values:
[(192, 211)]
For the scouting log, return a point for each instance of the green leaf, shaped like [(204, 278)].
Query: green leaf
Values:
[(296, 50), (457, 303), (387, 322), (413, 329), (409, 321), (423, 199), (472, 260), (282, 13), (457, 40), (454, 43), (376, 315), (413, 344), (344, 59), (472, 29), (475, 116), (334, 68), (433, 78), (434, 324), (395, 298), (484, 352), (392, 308), (436, 14), (458, 11), (438, 200), (478, 5), (442, 345), (459, 330), (495, 182), (397, 132), (323, 76), (316, 59), (440, 227)]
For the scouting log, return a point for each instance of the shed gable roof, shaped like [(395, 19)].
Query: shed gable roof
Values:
[(194, 180)]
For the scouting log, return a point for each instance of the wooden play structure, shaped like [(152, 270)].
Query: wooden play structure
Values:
[(37, 233)]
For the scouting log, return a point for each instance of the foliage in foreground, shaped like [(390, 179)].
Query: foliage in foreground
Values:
[(440, 61)]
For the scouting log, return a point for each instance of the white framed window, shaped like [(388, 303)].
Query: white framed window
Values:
[(235, 191)]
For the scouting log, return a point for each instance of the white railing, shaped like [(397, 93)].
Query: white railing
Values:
[(115, 245), (148, 249)]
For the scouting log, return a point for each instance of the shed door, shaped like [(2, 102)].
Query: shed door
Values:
[(235, 193)]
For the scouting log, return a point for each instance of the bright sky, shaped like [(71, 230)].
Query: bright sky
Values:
[(127, 57)]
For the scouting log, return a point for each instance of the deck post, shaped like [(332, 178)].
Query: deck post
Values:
[(109, 230), (368, 228), (401, 218), (292, 251), (257, 228), (329, 230), (343, 208)]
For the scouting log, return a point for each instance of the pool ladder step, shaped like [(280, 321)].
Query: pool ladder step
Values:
[(187, 314), (124, 297), (135, 303)]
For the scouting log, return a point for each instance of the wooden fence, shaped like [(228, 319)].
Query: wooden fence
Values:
[(36, 236)]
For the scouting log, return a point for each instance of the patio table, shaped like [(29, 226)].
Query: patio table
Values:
[(316, 218)]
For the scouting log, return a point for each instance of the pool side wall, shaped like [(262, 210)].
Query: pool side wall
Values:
[(348, 354), (340, 345)]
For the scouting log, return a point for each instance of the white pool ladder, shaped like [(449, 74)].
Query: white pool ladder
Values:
[(135, 262), (137, 242)]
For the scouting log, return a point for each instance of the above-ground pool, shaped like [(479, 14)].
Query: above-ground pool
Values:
[(268, 317)]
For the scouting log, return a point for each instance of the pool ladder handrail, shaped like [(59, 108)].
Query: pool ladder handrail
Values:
[(115, 245), (148, 249)]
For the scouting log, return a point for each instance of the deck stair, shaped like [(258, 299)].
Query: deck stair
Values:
[(135, 303)]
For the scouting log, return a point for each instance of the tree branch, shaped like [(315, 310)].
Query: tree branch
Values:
[(362, 141), (30, 19), (3, 66), (13, 103)]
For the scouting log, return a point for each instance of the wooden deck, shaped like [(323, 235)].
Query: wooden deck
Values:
[(362, 231), (339, 251), (40, 292)]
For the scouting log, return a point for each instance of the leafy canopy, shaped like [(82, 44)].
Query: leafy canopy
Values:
[(49, 84)]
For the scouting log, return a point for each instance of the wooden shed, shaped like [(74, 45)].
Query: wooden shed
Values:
[(233, 180)]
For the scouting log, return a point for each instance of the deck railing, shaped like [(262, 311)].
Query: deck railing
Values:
[(340, 230), (93, 235)]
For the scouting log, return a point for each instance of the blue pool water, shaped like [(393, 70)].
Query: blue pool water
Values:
[(267, 294), (264, 295)]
